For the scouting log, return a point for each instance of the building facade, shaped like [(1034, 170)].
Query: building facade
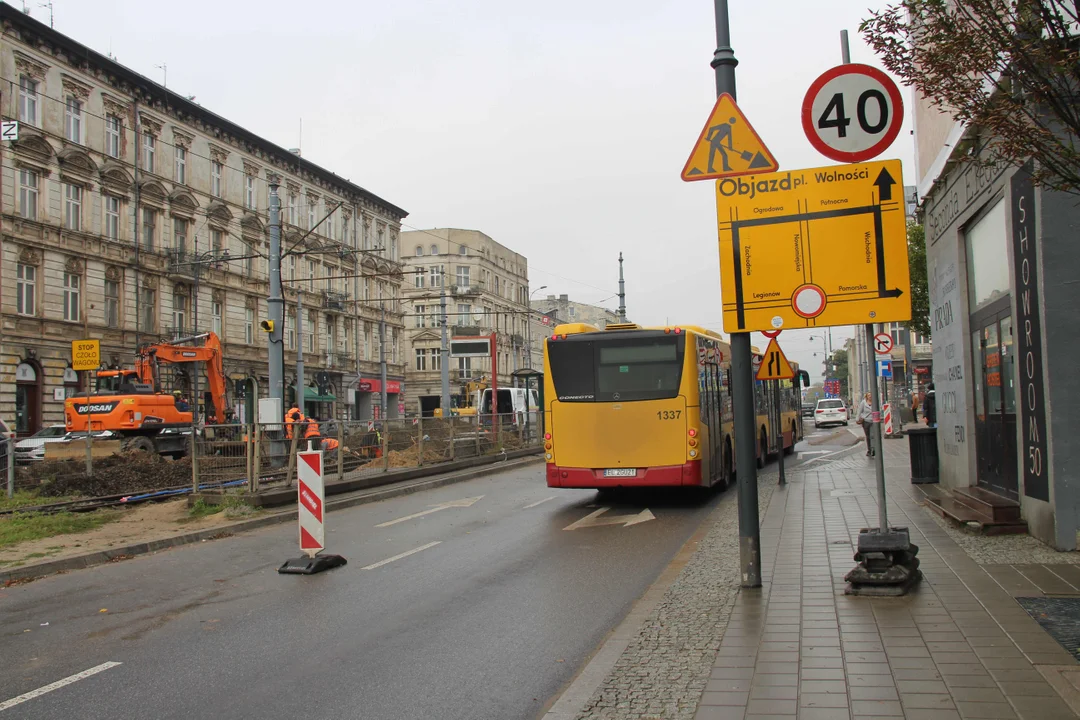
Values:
[(487, 290), (1002, 278), (133, 215), (912, 362)]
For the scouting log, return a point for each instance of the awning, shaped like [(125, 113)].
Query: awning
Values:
[(312, 395)]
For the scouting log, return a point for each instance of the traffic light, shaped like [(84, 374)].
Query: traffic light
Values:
[(267, 325)]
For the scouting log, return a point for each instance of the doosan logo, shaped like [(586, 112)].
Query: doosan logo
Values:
[(96, 408)]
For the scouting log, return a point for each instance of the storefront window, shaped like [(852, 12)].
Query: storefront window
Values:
[(987, 258)]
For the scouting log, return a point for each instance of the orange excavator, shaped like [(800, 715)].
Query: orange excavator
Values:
[(131, 403)]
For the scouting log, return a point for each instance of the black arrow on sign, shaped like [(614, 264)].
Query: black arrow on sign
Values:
[(894, 293), (884, 184)]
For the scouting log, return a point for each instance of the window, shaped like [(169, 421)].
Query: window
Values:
[(344, 231), (311, 213), (249, 326), (148, 309), (328, 274), (367, 339), (988, 258), (249, 192), (71, 296), (112, 217), (311, 275), (290, 329), (292, 209), (418, 278), (463, 276), (435, 273), (216, 241), (149, 223), (421, 359), (112, 303), (346, 329), (292, 267), (215, 178), (26, 289), (464, 315), (113, 124), (28, 194), (462, 250), (436, 358), (420, 318), (312, 321), (215, 317), (181, 165), (249, 262), (179, 312), (28, 101), (464, 365), (148, 144), (330, 347), (180, 236), (434, 249), (419, 250), (73, 120), (72, 206)]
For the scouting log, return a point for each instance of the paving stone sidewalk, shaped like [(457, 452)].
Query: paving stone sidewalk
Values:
[(960, 646)]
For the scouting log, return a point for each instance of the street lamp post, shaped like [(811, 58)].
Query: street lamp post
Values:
[(528, 327)]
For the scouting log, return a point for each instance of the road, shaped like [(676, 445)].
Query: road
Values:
[(467, 601)]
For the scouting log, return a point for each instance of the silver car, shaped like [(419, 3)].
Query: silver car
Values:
[(32, 449), (830, 412)]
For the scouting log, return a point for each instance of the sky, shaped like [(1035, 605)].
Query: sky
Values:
[(557, 128)]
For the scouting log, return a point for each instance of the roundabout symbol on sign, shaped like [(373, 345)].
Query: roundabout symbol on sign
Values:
[(852, 113)]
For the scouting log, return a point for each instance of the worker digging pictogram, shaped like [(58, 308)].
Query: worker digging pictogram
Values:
[(727, 146)]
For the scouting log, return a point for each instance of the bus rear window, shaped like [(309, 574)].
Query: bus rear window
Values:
[(616, 369)]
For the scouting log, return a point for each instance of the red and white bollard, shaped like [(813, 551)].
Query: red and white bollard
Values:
[(888, 419), (311, 506)]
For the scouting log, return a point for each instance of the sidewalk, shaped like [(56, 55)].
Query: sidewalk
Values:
[(959, 646)]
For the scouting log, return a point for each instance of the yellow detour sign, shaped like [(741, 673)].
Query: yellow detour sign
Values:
[(774, 366), (727, 146), (85, 354), (813, 248)]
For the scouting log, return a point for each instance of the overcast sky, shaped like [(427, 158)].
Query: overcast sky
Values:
[(558, 128)]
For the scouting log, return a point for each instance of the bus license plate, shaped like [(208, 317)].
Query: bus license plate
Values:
[(620, 472)]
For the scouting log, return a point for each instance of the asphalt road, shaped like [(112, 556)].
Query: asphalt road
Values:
[(484, 609)]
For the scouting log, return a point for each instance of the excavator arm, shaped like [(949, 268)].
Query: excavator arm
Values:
[(209, 352)]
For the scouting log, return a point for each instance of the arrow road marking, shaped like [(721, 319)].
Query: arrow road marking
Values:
[(593, 519), (405, 554), (57, 685), (464, 502), (539, 502)]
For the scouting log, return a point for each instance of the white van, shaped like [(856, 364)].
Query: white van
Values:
[(512, 401)]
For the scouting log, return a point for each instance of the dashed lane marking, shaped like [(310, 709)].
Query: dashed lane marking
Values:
[(539, 502), (57, 685), (406, 554)]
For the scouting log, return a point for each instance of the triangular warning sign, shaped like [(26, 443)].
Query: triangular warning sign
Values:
[(727, 146), (774, 366)]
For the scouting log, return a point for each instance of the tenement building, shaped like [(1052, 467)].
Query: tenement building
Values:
[(487, 291), (1002, 263), (133, 215)]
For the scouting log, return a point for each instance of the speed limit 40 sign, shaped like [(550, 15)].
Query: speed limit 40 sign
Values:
[(852, 113)]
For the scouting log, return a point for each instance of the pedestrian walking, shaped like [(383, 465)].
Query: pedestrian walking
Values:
[(863, 417)]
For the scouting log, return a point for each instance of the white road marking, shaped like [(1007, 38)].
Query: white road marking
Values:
[(402, 555), (464, 502), (593, 519), (539, 502), (811, 452), (57, 685), (822, 457)]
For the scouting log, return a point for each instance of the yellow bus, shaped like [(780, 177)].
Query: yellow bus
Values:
[(647, 407)]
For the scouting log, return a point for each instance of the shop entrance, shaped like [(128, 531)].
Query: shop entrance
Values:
[(993, 360)]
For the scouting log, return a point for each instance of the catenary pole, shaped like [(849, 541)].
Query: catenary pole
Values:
[(275, 303), (724, 63), (444, 367)]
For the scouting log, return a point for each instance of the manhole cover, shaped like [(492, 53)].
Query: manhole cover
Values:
[(846, 492), (1058, 616)]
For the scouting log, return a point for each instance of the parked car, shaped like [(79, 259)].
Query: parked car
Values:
[(5, 433), (32, 449), (808, 411), (830, 412)]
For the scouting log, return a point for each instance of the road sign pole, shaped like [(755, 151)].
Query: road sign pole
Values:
[(780, 430), (742, 379), (875, 436)]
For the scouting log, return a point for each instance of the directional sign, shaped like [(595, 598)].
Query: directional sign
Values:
[(463, 503), (884, 369), (727, 146), (9, 130), (85, 354), (774, 366), (594, 519), (852, 113), (813, 248), (883, 343)]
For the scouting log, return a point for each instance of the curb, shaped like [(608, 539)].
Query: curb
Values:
[(363, 497)]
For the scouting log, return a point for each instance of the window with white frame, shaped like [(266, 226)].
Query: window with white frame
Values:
[(113, 127), (367, 340), (149, 145), (215, 178), (290, 328), (73, 120), (418, 277), (112, 217), (394, 345), (249, 192), (73, 195), (181, 165), (311, 269), (148, 309), (26, 289), (344, 231), (434, 249), (435, 275), (421, 359), (311, 212), (149, 229), (420, 318), (436, 358), (419, 250), (112, 303), (180, 231), (330, 346), (28, 100), (72, 283), (463, 279), (249, 326), (464, 315), (346, 332), (328, 278), (217, 241), (179, 312), (462, 250), (311, 328), (292, 268), (293, 209), (215, 317), (28, 194)]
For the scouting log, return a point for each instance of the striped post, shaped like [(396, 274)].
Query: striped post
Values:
[(311, 500), (888, 419)]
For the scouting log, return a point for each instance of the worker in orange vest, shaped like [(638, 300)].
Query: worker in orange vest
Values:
[(292, 417), (312, 431), (329, 444)]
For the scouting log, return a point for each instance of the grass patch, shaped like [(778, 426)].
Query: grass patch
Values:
[(34, 526), (231, 506), (201, 509)]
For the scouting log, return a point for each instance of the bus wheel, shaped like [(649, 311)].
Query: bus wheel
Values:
[(791, 448), (727, 479), (763, 450)]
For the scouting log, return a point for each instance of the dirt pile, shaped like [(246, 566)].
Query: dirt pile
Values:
[(125, 473)]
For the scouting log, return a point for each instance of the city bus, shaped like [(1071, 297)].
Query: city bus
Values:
[(648, 407)]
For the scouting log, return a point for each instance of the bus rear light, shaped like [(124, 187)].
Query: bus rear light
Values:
[(547, 446), (547, 436), (692, 442), (693, 453), (692, 432), (678, 330), (667, 331), (548, 456)]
